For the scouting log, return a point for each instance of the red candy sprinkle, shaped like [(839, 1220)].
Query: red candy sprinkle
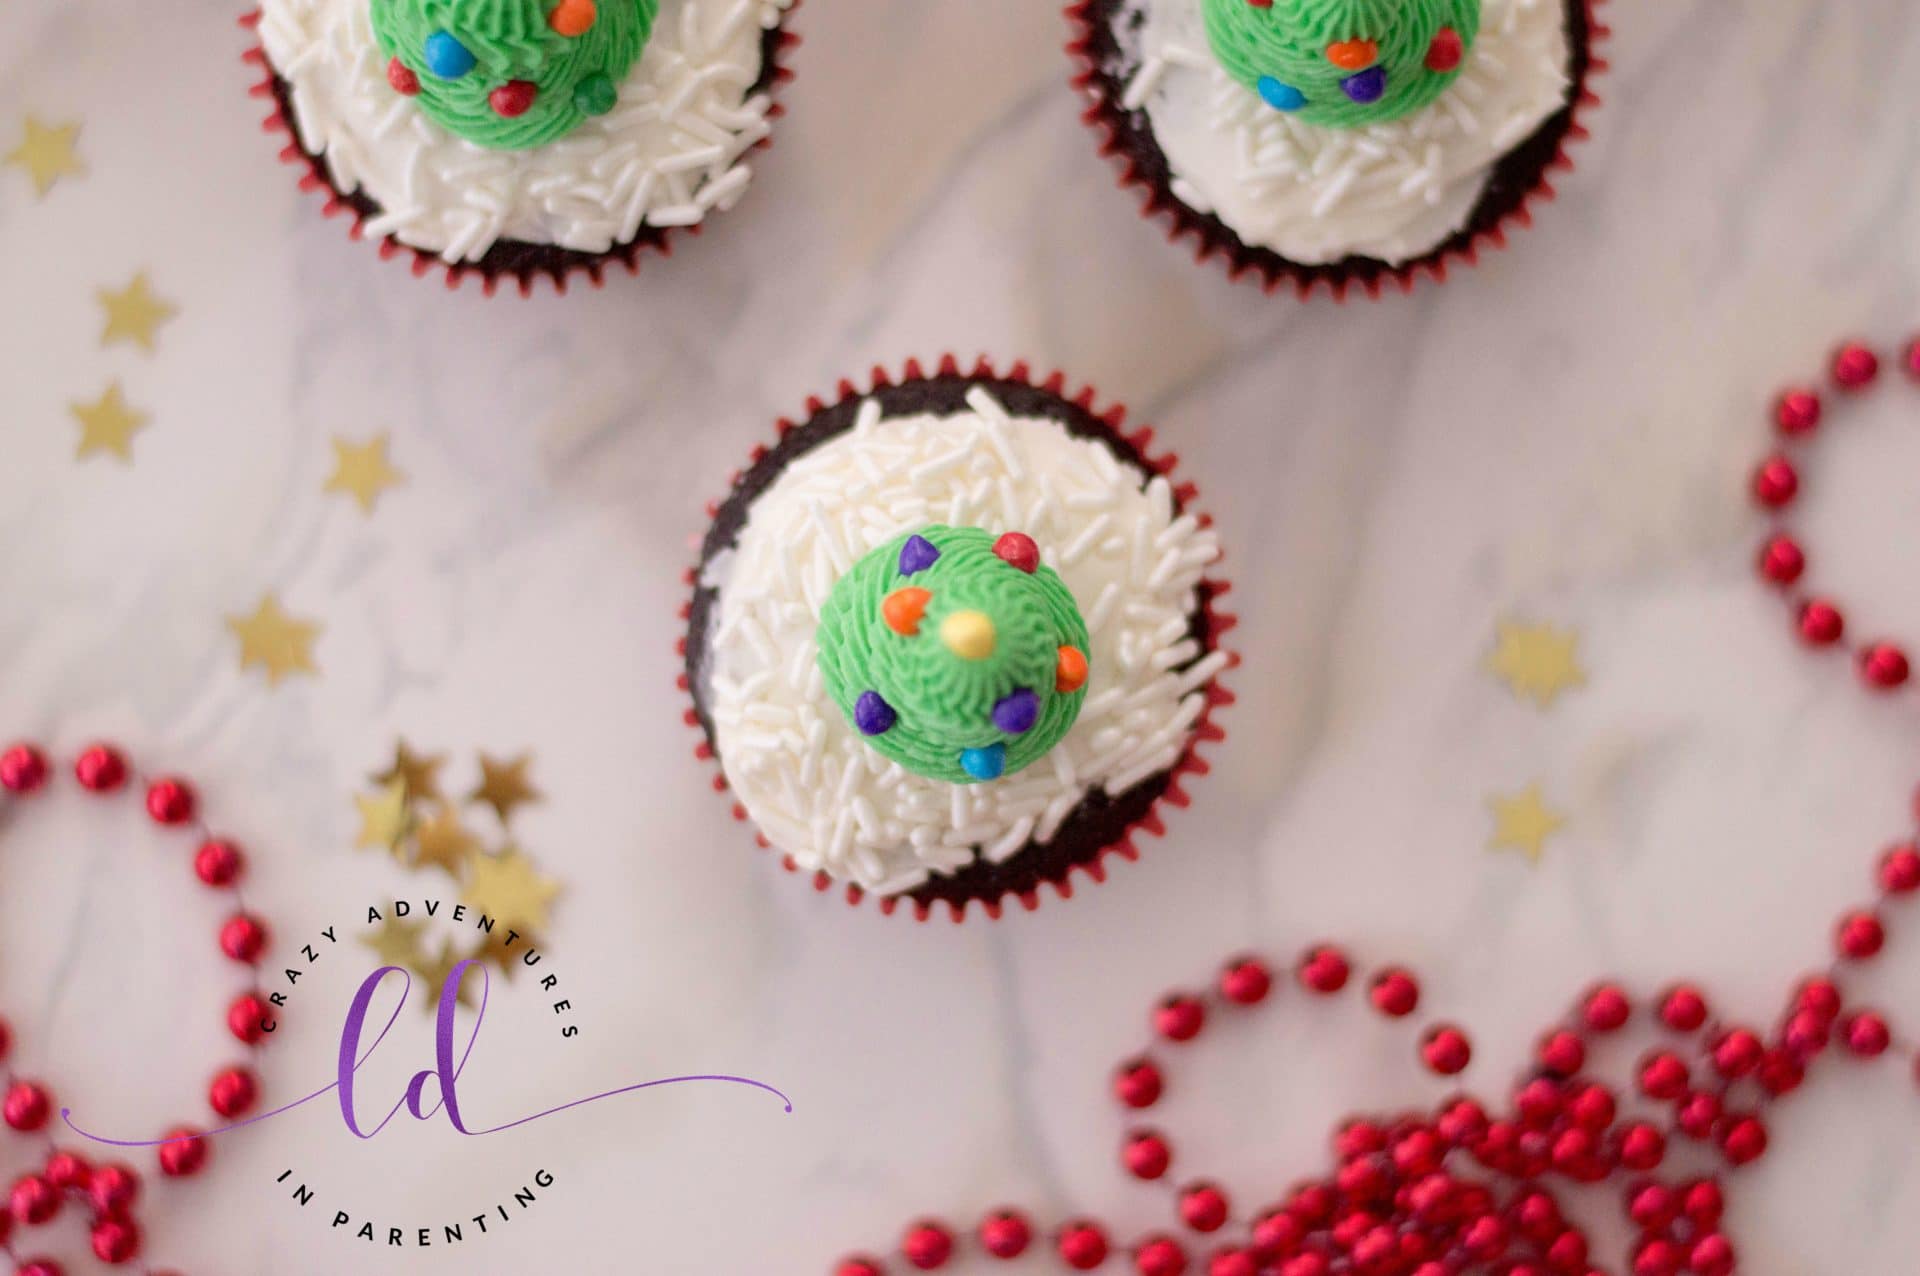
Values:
[(1445, 52), (402, 78), (1018, 550), (514, 98)]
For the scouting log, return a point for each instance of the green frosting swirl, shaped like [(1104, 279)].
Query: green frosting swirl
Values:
[(1281, 51), (508, 47), (944, 712)]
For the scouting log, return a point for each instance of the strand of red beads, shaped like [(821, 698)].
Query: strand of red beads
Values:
[(110, 1190)]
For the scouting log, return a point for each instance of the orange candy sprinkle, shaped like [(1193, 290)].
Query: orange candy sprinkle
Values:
[(903, 608), (1353, 55), (1070, 671), (573, 17)]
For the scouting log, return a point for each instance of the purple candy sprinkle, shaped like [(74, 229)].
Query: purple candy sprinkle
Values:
[(1017, 712), (1368, 86), (873, 715), (917, 555)]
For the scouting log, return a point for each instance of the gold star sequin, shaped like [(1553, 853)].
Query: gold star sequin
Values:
[(47, 153), (1537, 662), (442, 841), (434, 973), (419, 772), (496, 954), (1524, 822), (384, 818), (361, 469), (507, 888), (107, 425), (134, 314), (504, 785), (270, 638), (397, 942)]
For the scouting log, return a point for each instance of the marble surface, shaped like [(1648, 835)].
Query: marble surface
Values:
[(1561, 435)]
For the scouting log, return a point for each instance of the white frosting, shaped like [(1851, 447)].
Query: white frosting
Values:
[(815, 789), (668, 153), (1314, 194)]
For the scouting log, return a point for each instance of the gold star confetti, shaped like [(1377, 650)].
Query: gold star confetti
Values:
[(397, 942), (498, 955), (1524, 822), (434, 973), (134, 314), (507, 888), (275, 640), (107, 425), (1537, 662), (47, 153), (442, 841), (420, 772), (361, 469), (384, 818), (504, 785)]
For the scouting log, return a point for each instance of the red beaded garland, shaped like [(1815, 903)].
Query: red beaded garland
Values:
[(1245, 981), (100, 768), (1006, 1234)]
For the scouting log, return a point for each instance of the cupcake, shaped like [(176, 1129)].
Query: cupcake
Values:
[(522, 138), (1338, 142), (954, 637)]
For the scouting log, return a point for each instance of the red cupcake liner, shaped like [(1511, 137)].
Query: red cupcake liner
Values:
[(557, 266), (1213, 621), (1109, 121)]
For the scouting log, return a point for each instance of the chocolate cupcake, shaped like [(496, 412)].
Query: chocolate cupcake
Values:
[(523, 138), (953, 638), (1335, 143)]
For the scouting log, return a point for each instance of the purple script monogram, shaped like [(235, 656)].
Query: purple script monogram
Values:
[(444, 1075)]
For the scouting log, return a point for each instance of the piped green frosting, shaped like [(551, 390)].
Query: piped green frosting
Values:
[(511, 74), (1281, 50), (897, 671)]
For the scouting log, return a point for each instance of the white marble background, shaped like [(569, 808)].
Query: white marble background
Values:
[(1561, 435)]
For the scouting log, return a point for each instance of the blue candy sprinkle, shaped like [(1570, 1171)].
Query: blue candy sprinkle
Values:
[(917, 555), (447, 57), (873, 715), (1281, 97), (984, 764), (1018, 712), (1368, 86)]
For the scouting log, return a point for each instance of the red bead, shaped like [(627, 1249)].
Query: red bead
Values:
[(1485, 1238), (247, 1017), (1818, 996), (1005, 1234), (113, 1189), (1606, 1009), (27, 1106), (1663, 1075), (1776, 482), (1395, 993), (1146, 1155), (1567, 1252), (514, 98), (33, 1200), (1446, 1050), (1358, 1138), (1642, 1147), (1782, 561), (1806, 1033), (218, 862), (1900, 870), (1305, 1265), (100, 768), (185, 1155), (1781, 1072), (1657, 1258), (1324, 970), (1711, 1256), (1179, 1018), (1203, 1207), (39, 1267), (1277, 1231), (1082, 1246), (1563, 1052), (1416, 1153), (1737, 1053), (1160, 1256), (68, 1171), (1860, 936), (23, 769), (170, 801), (1593, 1108), (1652, 1206), (1246, 981), (1797, 412), (1138, 1084), (115, 1241), (1683, 1009), (1703, 1204), (1866, 1034), (1461, 1122), (1821, 624), (1698, 1113), (1233, 1262), (243, 938), (1018, 550), (1855, 366), (1539, 1102), (927, 1245), (859, 1266), (233, 1092), (402, 78), (1445, 52), (1884, 666), (1744, 1140)]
